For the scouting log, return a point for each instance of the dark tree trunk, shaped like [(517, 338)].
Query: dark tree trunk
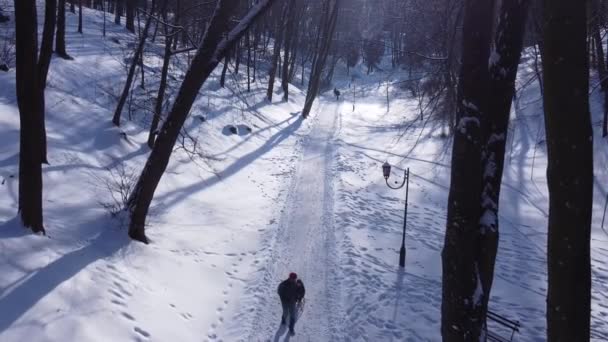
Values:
[(44, 62), (256, 41), (60, 39), (73, 6), (237, 58), (130, 15), (46, 46), (463, 313), (508, 43), (118, 13), (569, 170), (80, 16), (224, 70), (141, 57), (248, 39), (213, 48), (31, 72), (330, 73), (134, 62), (288, 42), (605, 124), (278, 41), (163, 85), (314, 82), (104, 9), (292, 64)]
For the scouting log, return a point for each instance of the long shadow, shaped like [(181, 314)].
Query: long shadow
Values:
[(25, 295), (280, 332), (398, 289), (235, 167), (249, 137)]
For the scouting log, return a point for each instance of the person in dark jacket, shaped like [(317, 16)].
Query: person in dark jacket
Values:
[(288, 292), (337, 94), (300, 292)]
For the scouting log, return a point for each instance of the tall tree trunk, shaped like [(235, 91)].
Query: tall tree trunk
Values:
[(46, 46), (224, 70), (141, 56), (60, 39), (73, 6), (278, 41), (216, 42), (30, 80), (508, 43), (292, 64), (605, 124), (288, 42), (134, 62), (79, 16), (130, 18), (463, 316), (569, 169), (118, 13), (104, 9), (256, 41), (237, 58), (248, 39), (318, 65), (44, 62), (163, 83)]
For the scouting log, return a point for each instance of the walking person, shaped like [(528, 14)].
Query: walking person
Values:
[(337, 94), (288, 292)]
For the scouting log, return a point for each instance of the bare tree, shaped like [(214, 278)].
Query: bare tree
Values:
[(137, 54), (328, 28), (163, 78), (290, 22), (218, 40)]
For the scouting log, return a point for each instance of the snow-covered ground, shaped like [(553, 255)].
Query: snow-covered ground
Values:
[(230, 222)]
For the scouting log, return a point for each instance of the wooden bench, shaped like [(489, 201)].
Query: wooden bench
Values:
[(505, 322)]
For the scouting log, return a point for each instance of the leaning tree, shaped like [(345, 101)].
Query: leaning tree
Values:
[(218, 40)]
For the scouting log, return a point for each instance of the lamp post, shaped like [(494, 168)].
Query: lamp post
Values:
[(386, 170)]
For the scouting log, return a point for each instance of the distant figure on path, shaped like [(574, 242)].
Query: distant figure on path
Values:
[(337, 93), (288, 292)]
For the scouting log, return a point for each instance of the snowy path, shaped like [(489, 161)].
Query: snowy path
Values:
[(303, 243)]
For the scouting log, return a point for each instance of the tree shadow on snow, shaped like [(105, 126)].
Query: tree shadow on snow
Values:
[(172, 198), (17, 301)]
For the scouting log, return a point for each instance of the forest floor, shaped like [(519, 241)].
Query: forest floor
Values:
[(231, 219)]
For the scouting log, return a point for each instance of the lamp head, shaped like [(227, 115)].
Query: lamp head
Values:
[(386, 170)]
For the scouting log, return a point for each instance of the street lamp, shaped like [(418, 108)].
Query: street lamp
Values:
[(386, 170)]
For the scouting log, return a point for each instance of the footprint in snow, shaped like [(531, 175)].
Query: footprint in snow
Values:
[(128, 316), (142, 332)]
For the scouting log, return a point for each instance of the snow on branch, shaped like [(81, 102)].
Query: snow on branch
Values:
[(237, 32)]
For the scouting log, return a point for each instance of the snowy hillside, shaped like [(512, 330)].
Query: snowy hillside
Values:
[(231, 220)]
